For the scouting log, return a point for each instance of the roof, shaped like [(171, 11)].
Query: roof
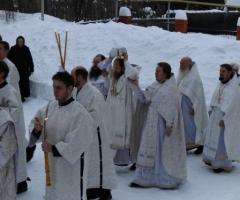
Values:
[(233, 2)]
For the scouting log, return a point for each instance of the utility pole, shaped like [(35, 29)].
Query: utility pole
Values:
[(116, 10), (42, 10), (168, 19)]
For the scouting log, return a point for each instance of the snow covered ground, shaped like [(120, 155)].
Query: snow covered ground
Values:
[(146, 47), (201, 184)]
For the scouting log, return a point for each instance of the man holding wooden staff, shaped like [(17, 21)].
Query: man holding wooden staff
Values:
[(66, 137)]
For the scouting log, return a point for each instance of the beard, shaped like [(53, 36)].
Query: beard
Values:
[(221, 78), (181, 74), (95, 72), (76, 83), (117, 75)]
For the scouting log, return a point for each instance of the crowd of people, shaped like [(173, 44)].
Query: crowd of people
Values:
[(103, 118)]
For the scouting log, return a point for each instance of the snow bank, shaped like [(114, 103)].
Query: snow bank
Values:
[(146, 47)]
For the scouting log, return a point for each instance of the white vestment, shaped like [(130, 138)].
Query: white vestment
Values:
[(13, 80), (13, 75), (69, 128), (192, 87), (224, 106), (9, 100), (161, 160), (101, 169), (100, 84), (120, 109), (8, 151)]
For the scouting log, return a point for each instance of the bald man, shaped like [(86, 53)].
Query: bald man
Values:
[(193, 104), (101, 176)]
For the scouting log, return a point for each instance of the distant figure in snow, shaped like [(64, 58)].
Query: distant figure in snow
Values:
[(21, 56)]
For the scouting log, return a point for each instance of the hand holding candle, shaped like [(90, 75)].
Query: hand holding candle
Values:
[(38, 125), (47, 168)]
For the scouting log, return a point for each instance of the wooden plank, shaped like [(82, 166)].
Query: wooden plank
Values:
[(192, 2)]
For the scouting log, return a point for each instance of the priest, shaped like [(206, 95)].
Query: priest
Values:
[(95, 75), (68, 127), (161, 158), (8, 155), (121, 107), (193, 104), (10, 100), (222, 139), (13, 76), (235, 68), (102, 176)]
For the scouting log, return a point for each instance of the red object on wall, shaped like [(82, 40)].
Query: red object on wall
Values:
[(125, 19), (238, 32), (181, 25)]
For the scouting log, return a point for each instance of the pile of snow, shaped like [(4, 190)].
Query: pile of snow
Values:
[(180, 14), (146, 47), (124, 11)]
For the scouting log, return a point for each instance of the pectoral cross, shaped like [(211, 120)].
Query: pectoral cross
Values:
[(114, 92)]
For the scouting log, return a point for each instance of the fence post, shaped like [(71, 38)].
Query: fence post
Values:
[(125, 15), (42, 10), (238, 29), (116, 10), (181, 21)]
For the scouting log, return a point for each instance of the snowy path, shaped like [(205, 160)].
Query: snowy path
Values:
[(202, 183)]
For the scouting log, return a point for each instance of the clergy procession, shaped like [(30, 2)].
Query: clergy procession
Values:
[(102, 118)]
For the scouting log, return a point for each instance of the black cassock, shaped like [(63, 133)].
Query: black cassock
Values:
[(22, 59)]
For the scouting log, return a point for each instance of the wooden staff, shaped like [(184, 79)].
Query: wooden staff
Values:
[(65, 49), (58, 39), (58, 44), (60, 47), (46, 161)]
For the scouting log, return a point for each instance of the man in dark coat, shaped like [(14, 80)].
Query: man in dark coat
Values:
[(20, 55)]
